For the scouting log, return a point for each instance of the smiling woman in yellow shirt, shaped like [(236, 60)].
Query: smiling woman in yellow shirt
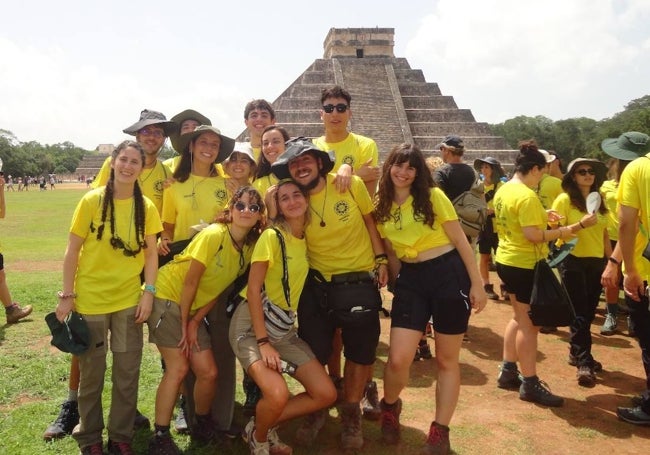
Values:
[(424, 239)]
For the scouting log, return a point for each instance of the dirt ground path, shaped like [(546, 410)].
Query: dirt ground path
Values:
[(489, 420)]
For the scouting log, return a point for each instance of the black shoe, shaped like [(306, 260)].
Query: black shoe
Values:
[(141, 421), (586, 376), (163, 444), (634, 415), (67, 419), (205, 430), (538, 392), (573, 361), (508, 379)]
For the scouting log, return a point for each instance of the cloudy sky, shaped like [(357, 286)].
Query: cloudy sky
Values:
[(72, 70)]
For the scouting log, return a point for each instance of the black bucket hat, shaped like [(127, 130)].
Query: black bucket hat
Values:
[(497, 170), (187, 114), (71, 335), (628, 146), (297, 147), (225, 149), (149, 117)]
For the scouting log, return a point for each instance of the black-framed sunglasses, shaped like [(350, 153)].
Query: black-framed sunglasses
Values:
[(118, 243), (241, 206), (584, 172), (340, 108)]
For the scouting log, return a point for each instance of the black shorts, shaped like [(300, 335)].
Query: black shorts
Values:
[(517, 281), (488, 240), (437, 288), (317, 322)]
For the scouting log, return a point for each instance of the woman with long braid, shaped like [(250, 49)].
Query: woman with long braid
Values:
[(112, 238)]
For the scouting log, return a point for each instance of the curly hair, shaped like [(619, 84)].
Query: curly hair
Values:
[(420, 188), (109, 206), (254, 197)]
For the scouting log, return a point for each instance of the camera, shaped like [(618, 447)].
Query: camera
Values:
[(288, 367)]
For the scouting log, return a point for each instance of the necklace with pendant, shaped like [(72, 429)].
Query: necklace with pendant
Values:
[(322, 214)]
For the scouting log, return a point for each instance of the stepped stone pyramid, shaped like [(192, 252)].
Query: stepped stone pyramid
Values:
[(391, 102)]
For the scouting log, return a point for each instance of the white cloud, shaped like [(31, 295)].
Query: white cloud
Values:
[(561, 59)]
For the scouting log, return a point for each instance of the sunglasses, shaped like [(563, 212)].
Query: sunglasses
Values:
[(118, 243), (154, 133), (240, 206), (340, 108), (584, 172)]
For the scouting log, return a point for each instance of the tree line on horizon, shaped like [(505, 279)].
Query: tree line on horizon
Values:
[(570, 138)]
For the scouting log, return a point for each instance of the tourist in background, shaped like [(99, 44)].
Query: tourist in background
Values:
[(523, 240), (582, 268)]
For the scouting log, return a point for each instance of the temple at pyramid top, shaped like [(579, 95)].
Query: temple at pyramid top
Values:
[(391, 102), (359, 42)]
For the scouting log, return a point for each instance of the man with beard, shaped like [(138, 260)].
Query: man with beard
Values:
[(347, 264)]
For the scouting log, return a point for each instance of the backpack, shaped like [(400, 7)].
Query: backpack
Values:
[(471, 209)]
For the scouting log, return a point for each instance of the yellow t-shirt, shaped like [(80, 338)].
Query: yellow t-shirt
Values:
[(409, 236), (151, 181), (172, 164), (487, 188), (106, 280), (590, 240), (267, 249), (213, 248), (549, 188), (516, 206), (343, 244), (192, 201), (633, 191), (354, 150), (263, 183), (608, 190)]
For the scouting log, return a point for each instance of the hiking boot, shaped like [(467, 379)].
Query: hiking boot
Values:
[(609, 326), (256, 448), (509, 379), (638, 400), (597, 366), (120, 448), (163, 444), (311, 425), (547, 329), (205, 430), (276, 446), (390, 427), (253, 395), (92, 449), (66, 420), (141, 421), (352, 434), (634, 415), (15, 313), (438, 440), (180, 424), (538, 392), (370, 402), (489, 290), (586, 376), (631, 332)]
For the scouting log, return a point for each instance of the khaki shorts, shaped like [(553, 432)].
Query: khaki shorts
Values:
[(165, 326), (244, 344)]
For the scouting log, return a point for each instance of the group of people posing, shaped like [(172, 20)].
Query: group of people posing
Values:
[(272, 252)]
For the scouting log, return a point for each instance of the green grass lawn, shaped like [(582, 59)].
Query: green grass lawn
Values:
[(33, 374)]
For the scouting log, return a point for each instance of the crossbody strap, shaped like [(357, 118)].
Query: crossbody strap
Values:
[(285, 272)]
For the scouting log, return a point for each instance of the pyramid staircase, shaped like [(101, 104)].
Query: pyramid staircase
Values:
[(391, 102)]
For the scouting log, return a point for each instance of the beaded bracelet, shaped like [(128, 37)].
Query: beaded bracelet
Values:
[(64, 296)]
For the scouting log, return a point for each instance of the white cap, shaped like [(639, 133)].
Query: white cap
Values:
[(549, 158)]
